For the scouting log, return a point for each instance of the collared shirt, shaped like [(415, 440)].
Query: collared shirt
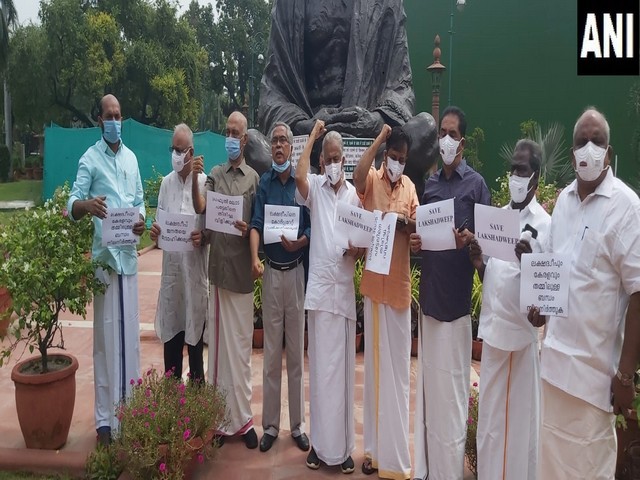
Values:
[(184, 289), (230, 255), (330, 287), (116, 176), (393, 289), (501, 323), (447, 276), (271, 191), (601, 235)]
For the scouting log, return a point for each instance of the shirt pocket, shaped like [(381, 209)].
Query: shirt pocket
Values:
[(591, 250), (128, 182)]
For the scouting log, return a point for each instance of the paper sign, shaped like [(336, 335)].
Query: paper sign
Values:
[(497, 231), (280, 220), (353, 149), (222, 212), (353, 224), (544, 283), (117, 227), (435, 224), (299, 141), (381, 247), (175, 231)]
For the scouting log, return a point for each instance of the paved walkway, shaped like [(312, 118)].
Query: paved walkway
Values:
[(284, 461), (15, 204)]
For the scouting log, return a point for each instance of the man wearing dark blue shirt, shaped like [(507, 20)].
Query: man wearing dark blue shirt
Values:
[(282, 292), (445, 299)]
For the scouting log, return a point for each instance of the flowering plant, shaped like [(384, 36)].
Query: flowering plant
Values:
[(165, 423), (46, 268), (470, 447)]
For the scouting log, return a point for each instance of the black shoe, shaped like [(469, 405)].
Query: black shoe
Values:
[(250, 439), (302, 441), (218, 440), (313, 462), (104, 436), (347, 466), (267, 442), (367, 467)]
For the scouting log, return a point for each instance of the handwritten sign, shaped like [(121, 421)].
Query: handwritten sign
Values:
[(175, 231), (353, 149), (497, 231), (299, 141), (117, 227), (353, 224), (280, 220), (381, 247), (222, 212), (435, 224), (544, 283)]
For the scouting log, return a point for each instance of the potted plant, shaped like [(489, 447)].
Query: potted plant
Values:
[(470, 446), (258, 332), (476, 305), (47, 271), (628, 435), (415, 308), (357, 278)]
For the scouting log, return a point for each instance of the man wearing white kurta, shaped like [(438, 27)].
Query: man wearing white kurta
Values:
[(509, 409), (108, 177), (330, 301), (589, 357), (184, 289)]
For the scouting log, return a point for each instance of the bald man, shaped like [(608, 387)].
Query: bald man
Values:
[(108, 177), (231, 293), (588, 358)]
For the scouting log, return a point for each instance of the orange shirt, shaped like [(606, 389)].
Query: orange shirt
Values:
[(393, 289)]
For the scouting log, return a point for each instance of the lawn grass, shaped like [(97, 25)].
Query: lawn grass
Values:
[(21, 190), (31, 476)]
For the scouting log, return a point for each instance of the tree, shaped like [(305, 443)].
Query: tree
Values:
[(8, 20)]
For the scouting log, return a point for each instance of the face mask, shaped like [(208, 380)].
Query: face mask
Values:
[(593, 156), (112, 130), (394, 169), (448, 149), (333, 172), (177, 160), (518, 188), (232, 145), (280, 168)]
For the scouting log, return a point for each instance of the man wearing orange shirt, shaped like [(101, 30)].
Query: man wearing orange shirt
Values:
[(387, 312)]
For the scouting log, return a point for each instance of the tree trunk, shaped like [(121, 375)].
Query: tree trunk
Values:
[(8, 127)]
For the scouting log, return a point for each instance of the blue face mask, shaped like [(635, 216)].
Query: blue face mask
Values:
[(112, 130), (280, 168), (232, 145)]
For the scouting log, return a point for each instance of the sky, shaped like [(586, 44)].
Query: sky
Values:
[(28, 9)]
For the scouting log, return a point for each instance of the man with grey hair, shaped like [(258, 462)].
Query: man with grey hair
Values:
[(330, 301), (184, 288), (282, 291), (589, 357)]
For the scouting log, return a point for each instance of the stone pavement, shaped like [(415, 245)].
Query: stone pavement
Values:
[(284, 460)]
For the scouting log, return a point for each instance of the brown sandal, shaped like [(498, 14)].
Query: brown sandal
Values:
[(367, 467)]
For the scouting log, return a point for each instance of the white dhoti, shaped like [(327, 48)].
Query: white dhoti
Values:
[(230, 336), (332, 357), (116, 344), (442, 398), (387, 335), (577, 439), (509, 414)]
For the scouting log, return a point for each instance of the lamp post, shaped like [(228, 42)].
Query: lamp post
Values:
[(436, 69), (460, 6), (255, 47)]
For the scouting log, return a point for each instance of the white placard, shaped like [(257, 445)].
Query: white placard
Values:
[(353, 224), (381, 247), (497, 231), (175, 231), (280, 220), (117, 227), (222, 212), (544, 283), (299, 141), (353, 149), (435, 224)]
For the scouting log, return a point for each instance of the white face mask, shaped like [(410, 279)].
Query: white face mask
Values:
[(177, 160), (593, 156), (394, 169), (333, 172), (448, 149), (518, 187)]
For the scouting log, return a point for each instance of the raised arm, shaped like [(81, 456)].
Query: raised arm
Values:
[(302, 169), (364, 165), (199, 200)]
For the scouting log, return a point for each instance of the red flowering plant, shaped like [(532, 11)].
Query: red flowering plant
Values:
[(470, 447), (165, 424)]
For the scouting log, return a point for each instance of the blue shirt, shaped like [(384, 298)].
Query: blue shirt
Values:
[(116, 176), (447, 276), (271, 191)]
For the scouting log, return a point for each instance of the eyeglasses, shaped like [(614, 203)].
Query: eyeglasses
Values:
[(276, 140), (179, 151)]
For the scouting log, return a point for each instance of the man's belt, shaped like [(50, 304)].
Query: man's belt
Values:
[(283, 266)]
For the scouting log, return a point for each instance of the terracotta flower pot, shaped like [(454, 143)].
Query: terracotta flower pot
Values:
[(414, 346), (476, 349), (358, 342), (45, 401), (258, 337), (6, 305)]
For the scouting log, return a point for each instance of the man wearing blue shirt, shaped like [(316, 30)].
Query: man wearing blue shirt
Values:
[(282, 293), (108, 177)]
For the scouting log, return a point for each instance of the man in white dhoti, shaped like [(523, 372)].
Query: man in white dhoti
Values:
[(184, 288), (588, 358), (231, 295), (509, 409), (387, 312), (108, 177), (330, 301)]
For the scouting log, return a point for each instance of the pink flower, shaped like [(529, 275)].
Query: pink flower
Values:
[(145, 409), (147, 393), (182, 400), (132, 382), (200, 458), (152, 414), (470, 421), (163, 467), (65, 212), (146, 424), (181, 388), (149, 372), (186, 420), (187, 434), (168, 374), (139, 381), (475, 384)]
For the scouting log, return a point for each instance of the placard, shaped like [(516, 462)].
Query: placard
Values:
[(497, 231), (435, 223), (353, 149), (544, 283), (353, 224), (381, 247), (280, 220), (117, 227), (299, 141), (175, 231), (222, 212)]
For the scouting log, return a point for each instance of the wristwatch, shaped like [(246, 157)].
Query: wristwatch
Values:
[(625, 379)]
